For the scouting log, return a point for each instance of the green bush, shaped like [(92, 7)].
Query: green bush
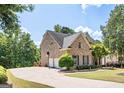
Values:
[(62, 62), (3, 76), (4, 62), (93, 66), (83, 67), (66, 61), (2, 69), (87, 67)]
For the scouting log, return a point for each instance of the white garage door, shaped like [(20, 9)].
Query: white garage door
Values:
[(50, 62), (54, 62)]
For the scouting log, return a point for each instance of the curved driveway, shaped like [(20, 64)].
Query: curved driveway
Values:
[(53, 78)]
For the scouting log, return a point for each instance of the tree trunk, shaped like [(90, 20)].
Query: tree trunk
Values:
[(121, 61)]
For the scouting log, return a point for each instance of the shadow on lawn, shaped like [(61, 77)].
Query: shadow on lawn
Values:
[(121, 74)]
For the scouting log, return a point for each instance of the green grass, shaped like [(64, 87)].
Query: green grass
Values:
[(107, 75), (20, 83)]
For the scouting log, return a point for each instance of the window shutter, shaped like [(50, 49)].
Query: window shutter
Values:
[(87, 59), (83, 59)]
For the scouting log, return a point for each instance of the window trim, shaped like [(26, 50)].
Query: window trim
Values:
[(79, 45)]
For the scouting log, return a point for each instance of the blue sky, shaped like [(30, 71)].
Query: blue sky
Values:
[(86, 18)]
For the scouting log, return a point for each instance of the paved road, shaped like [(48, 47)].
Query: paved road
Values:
[(53, 78)]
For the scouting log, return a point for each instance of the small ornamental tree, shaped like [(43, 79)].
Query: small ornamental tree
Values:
[(99, 51), (66, 61)]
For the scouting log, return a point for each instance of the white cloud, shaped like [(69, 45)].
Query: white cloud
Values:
[(94, 34), (97, 35), (85, 6), (37, 43), (84, 29), (97, 5), (23, 29)]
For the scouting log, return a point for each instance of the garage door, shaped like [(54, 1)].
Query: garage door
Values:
[(54, 62)]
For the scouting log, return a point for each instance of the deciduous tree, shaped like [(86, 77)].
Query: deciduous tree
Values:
[(113, 32), (8, 15), (57, 28), (99, 51), (63, 29)]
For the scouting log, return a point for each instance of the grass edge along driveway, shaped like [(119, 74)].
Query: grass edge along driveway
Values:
[(107, 75), (20, 83)]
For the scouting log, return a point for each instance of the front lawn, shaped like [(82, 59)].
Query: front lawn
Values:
[(108, 75)]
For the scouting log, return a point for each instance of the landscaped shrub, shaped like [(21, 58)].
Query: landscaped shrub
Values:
[(99, 66), (117, 65), (66, 61), (83, 67), (94, 66), (4, 62), (3, 76), (2, 69), (103, 65), (87, 67)]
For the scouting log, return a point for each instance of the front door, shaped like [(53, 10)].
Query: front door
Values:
[(76, 59)]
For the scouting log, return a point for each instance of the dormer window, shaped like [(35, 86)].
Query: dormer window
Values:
[(79, 46)]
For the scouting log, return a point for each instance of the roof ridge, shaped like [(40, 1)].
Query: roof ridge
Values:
[(60, 37)]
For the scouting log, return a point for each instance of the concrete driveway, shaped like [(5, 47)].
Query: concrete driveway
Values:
[(53, 78)]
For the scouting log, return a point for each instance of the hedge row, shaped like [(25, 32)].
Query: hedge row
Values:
[(87, 67), (117, 65), (3, 75)]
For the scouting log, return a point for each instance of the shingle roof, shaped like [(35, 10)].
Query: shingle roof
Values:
[(58, 36), (69, 40), (64, 40), (90, 39)]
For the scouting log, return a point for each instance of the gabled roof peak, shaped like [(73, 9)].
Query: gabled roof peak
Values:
[(65, 39)]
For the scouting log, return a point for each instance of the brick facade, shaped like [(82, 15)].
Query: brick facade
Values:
[(55, 51), (49, 44), (83, 51)]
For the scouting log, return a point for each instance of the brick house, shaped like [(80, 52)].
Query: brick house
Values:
[(55, 44), (111, 58)]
